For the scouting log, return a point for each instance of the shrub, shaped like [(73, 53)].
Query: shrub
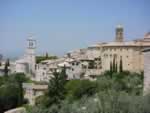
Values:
[(115, 93), (42, 58), (11, 91), (78, 88)]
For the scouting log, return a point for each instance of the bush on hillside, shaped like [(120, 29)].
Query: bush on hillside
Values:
[(11, 91), (76, 89)]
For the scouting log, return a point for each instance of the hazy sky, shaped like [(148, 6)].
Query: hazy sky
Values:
[(63, 25)]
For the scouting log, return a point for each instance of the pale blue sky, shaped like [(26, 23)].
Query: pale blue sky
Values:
[(63, 25)]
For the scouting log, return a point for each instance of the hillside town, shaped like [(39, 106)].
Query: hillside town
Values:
[(74, 56), (85, 63)]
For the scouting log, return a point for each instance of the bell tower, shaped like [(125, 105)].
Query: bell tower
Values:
[(119, 34), (30, 54), (31, 45)]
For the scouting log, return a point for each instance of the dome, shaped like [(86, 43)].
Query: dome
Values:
[(147, 35)]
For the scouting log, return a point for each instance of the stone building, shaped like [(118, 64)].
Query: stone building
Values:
[(88, 62), (27, 63), (130, 52), (146, 53), (32, 91), (96, 59), (45, 69)]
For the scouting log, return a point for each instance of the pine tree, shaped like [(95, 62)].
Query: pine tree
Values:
[(56, 88)]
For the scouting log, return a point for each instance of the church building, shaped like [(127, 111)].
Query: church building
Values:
[(129, 53), (27, 63)]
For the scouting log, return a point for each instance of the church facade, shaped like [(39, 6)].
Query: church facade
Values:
[(129, 52)]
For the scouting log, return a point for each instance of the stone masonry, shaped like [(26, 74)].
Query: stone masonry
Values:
[(146, 71)]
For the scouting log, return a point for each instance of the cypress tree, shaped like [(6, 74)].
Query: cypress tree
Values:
[(111, 67), (114, 65), (46, 55), (8, 64), (63, 75), (121, 65), (6, 68)]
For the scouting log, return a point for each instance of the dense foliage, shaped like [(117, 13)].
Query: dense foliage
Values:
[(110, 93), (56, 90), (46, 57), (103, 102), (76, 89), (11, 92), (131, 83)]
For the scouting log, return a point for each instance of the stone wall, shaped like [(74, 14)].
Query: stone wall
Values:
[(32, 91), (17, 110), (146, 72)]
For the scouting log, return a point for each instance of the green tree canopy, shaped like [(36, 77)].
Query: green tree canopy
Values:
[(11, 91), (78, 88), (46, 57), (56, 88)]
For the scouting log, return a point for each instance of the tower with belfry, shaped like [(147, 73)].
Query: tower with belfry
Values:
[(31, 54), (119, 34)]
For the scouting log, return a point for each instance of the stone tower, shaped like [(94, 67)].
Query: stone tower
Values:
[(30, 54), (119, 34)]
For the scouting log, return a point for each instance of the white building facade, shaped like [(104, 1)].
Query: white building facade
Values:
[(27, 63)]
